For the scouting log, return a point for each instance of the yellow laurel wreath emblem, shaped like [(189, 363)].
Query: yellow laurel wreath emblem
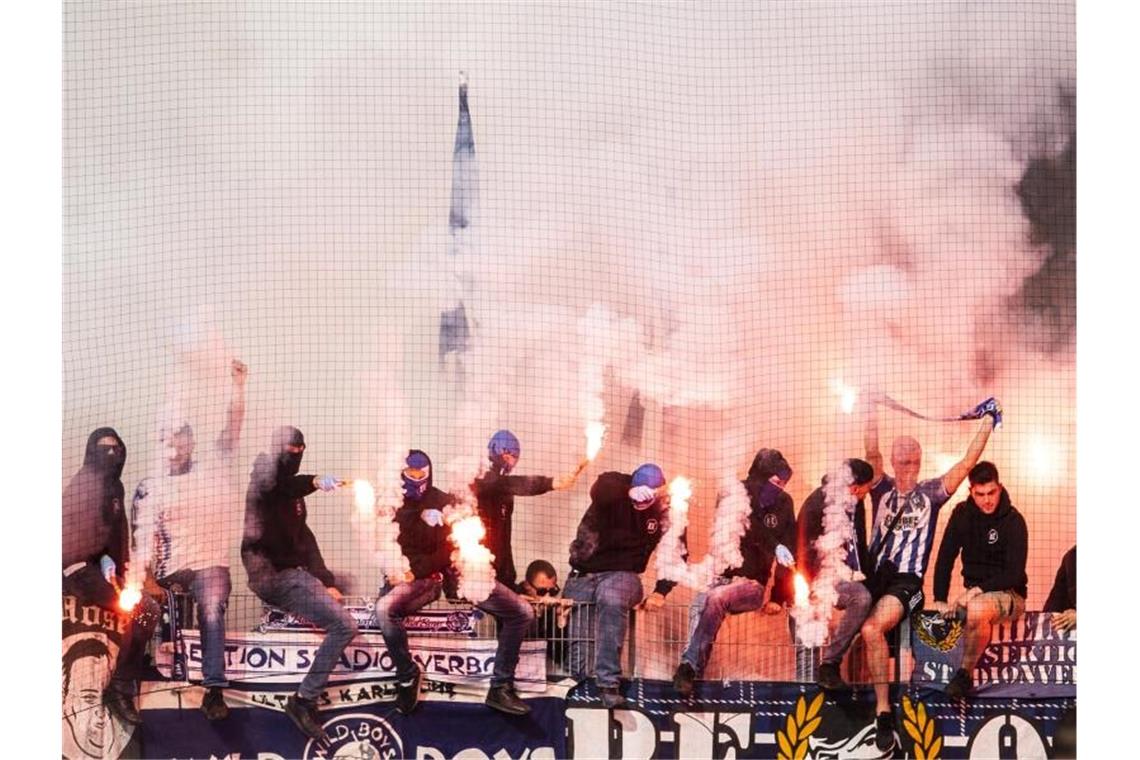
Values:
[(792, 740), (920, 727)]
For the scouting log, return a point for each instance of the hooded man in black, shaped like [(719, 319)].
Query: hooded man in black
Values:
[(844, 565), (96, 550), (771, 526), (285, 566), (425, 541), (1062, 599), (994, 542)]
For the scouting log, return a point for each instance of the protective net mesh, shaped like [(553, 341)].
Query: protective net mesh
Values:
[(711, 229)]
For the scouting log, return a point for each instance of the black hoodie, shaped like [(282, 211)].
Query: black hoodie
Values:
[(275, 513), (615, 535), (427, 547), (496, 493), (810, 528), (771, 522), (94, 520), (1063, 595), (994, 549)]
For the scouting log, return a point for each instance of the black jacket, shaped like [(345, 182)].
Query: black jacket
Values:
[(1063, 595), (614, 535), (994, 549), (94, 518), (771, 522), (276, 528), (809, 527), (427, 547), (496, 496)]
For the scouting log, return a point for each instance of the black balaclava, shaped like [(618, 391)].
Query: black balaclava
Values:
[(107, 460), (761, 489), (288, 463)]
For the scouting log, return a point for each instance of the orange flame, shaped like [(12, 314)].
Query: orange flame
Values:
[(365, 496), (847, 395), (595, 431), (680, 491), (467, 534), (802, 590), (129, 597)]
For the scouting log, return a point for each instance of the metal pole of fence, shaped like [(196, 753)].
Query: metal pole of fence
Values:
[(632, 645)]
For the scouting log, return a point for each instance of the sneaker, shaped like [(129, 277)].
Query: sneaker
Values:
[(303, 713), (827, 677), (214, 705), (504, 699), (408, 693), (121, 705), (885, 731), (683, 679), (960, 685), (611, 696)]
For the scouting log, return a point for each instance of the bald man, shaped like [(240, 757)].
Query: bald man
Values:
[(904, 518)]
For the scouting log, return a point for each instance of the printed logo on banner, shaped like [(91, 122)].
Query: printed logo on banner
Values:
[(91, 638), (357, 735), (1007, 735), (937, 632)]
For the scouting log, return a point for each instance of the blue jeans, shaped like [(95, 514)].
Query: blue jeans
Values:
[(296, 591), (613, 594), (211, 591), (708, 611), (514, 614), (855, 602)]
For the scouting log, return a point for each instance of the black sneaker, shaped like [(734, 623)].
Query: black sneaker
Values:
[(683, 679), (885, 731), (303, 713), (504, 699), (214, 704), (121, 704), (408, 693), (827, 677), (611, 696), (960, 685)]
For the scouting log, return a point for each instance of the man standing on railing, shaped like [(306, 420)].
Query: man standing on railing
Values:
[(285, 565), (992, 537), (496, 490), (771, 531), (96, 551), (184, 521), (905, 516), (425, 541), (852, 597), (625, 521)]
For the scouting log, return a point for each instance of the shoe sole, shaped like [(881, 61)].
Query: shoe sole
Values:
[(508, 711)]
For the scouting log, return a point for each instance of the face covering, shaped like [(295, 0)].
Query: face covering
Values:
[(769, 491), (110, 458), (288, 462)]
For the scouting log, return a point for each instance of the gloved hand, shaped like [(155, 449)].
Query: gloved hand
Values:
[(432, 517), (784, 556), (107, 567), (990, 406), (326, 482), (642, 494)]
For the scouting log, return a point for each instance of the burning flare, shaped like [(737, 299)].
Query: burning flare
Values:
[(595, 432), (802, 591), (680, 491), (365, 496), (847, 395), (129, 597)]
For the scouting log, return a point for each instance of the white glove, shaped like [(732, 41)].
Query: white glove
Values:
[(642, 494), (432, 517), (107, 566), (783, 556)]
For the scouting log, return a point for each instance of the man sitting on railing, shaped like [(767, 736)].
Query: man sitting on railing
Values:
[(424, 539), (623, 525), (852, 598), (285, 565), (771, 528), (992, 537)]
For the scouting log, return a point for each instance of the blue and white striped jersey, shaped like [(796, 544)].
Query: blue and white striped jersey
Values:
[(908, 544)]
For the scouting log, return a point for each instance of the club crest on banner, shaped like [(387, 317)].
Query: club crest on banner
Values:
[(361, 736)]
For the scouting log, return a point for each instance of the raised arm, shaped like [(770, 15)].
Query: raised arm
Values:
[(956, 474), (566, 481), (235, 415), (874, 457)]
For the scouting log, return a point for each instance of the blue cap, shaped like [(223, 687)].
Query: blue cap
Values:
[(648, 475)]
